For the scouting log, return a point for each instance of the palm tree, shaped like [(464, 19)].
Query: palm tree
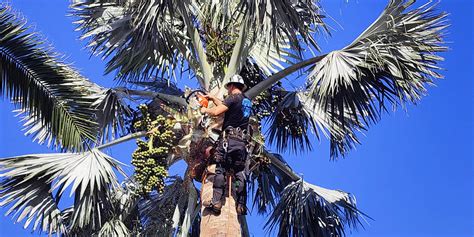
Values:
[(147, 44)]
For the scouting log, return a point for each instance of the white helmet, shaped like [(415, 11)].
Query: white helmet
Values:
[(236, 79)]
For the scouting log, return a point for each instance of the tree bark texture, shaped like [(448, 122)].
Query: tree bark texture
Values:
[(226, 224)]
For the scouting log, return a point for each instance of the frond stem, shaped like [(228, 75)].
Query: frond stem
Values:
[(263, 85), (122, 139), (150, 94)]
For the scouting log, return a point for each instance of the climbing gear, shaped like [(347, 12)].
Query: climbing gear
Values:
[(236, 133), (236, 79), (231, 166)]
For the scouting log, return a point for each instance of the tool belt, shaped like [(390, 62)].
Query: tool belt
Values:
[(236, 133)]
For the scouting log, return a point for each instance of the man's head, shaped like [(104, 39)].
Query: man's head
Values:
[(235, 82)]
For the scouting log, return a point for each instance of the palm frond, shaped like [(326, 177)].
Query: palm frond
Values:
[(160, 85), (124, 208), (271, 58), (296, 21), (299, 208), (289, 125), (121, 218), (56, 97), (392, 61), (296, 116), (143, 39), (114, 228), (111, 112), (28, 183), (308, 210), (157, 211), (37, 207), (341, 133), (266, 183)]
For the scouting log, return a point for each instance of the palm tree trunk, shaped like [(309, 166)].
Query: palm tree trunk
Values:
[(226, 224)]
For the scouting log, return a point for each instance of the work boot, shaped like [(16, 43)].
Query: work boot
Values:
[(215, 204), (215, 207)]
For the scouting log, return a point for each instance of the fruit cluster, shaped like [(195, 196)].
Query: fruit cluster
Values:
[(150, 157), (292, 120), (219, 45), (262, 160)]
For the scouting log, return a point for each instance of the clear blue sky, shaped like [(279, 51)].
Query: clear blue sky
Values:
[(413, 173)]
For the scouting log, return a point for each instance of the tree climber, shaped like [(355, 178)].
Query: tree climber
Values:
[(231, 147)]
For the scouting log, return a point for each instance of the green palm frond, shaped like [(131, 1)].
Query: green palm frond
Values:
[(391, 62), (34, 185), (54, 96)]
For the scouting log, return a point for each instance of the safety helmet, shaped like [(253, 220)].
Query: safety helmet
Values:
[(236, 79)]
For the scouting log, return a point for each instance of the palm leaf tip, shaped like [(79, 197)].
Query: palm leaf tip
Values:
[(391, 62), (308, 210)]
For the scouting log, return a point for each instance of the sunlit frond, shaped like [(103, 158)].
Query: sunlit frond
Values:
[(114, 228), (296, 21), (141, 38), (34, 184), (341, 133), (392, 61), (271, 59), (149, 42), (54, 96)]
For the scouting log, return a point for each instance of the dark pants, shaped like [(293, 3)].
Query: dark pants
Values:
[(231, 160)]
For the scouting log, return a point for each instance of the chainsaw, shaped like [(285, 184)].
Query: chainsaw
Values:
[(203, 102)]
